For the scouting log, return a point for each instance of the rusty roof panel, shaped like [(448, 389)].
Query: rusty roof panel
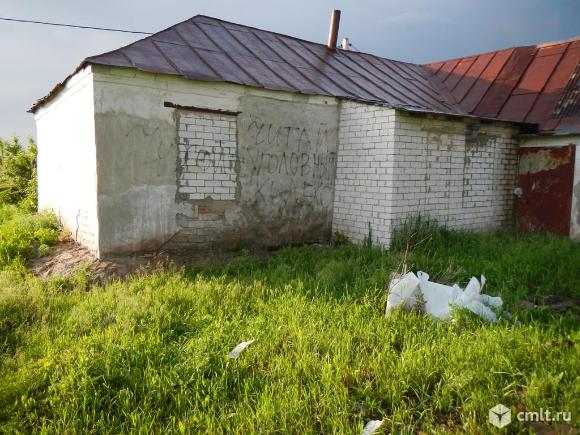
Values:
[(563, 72), (385, 82), (226, 67), (517, 107), (519, 84), (458, 73), (259, 48), (147, 56), (504, 83), (471, 76), (191, 35), (205, 48), (543, 107), (446, 69), (537, 74), (186, 60), (523, 83), (479, 89)]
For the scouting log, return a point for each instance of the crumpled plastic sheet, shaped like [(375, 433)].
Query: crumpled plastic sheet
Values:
[(235, 352), (439, 299), (372, 426)]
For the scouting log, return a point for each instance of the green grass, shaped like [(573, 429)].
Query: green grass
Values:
[(150, 354), (23, 233)]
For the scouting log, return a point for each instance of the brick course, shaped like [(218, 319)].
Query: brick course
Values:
[(365, 163), (207, 156)]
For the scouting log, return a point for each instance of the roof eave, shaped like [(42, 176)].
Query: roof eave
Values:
[(56, 89)]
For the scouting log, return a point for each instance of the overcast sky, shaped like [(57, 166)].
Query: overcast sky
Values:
[(34, 58)]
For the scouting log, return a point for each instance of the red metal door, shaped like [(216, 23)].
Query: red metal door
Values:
[(546, 178)]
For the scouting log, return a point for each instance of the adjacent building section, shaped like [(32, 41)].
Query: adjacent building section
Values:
[(460, 172), (393, 165)]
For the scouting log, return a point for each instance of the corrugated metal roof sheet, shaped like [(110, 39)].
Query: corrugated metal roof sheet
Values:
[(522, 84), (205, 48)]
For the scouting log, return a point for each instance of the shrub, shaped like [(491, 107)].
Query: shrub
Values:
[(20, 233), (18, 174)]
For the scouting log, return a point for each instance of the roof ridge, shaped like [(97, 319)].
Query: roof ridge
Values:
[(296, 38), (141, 39), (516, 47), (248, 27), (467, 56), (562, 41)]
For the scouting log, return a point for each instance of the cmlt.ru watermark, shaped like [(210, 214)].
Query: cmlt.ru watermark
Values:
[(500, 416)]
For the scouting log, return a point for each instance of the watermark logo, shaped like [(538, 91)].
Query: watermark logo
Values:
[(500, 415)]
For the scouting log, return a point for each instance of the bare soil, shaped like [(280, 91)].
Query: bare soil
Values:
[(68, 257)]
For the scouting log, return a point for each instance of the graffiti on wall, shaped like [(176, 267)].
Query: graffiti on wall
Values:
[(275, 182), (287, 163)]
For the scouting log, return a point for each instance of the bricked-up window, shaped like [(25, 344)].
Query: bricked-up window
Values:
[(207, 155), (569, 104)]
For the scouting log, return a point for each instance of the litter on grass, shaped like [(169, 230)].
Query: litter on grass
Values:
[(241, 346), (372, 426), (407, 290)]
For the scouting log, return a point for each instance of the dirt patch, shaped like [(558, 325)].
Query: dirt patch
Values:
[(557, 303), (68, 257)]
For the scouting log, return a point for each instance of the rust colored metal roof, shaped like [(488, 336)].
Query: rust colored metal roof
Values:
[(205, 48), (533, 84)]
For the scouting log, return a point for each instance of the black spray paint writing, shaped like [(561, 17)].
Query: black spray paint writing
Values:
[(272, 153)]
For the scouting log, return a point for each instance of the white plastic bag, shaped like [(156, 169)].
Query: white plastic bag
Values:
[(439, 299), (235, 352), (372, 426), (402, 291), (437, 296)]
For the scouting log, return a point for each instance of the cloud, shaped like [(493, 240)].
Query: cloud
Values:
[(35, 58)]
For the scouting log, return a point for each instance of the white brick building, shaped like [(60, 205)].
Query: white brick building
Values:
[(214, 134), (392, 165)]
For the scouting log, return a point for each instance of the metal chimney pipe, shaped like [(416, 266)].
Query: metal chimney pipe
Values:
[(334, 24)]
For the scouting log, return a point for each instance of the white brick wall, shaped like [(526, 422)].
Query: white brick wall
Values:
[(85, 234), (207, 155), (463, 183), (364, 172), (391, 165)]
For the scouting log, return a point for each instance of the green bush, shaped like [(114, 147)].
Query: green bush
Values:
[(21, 233), (18, 174)]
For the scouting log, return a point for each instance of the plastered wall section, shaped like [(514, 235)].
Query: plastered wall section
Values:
[(67, 169), (392, 165), (558, 141), (150, 190)]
